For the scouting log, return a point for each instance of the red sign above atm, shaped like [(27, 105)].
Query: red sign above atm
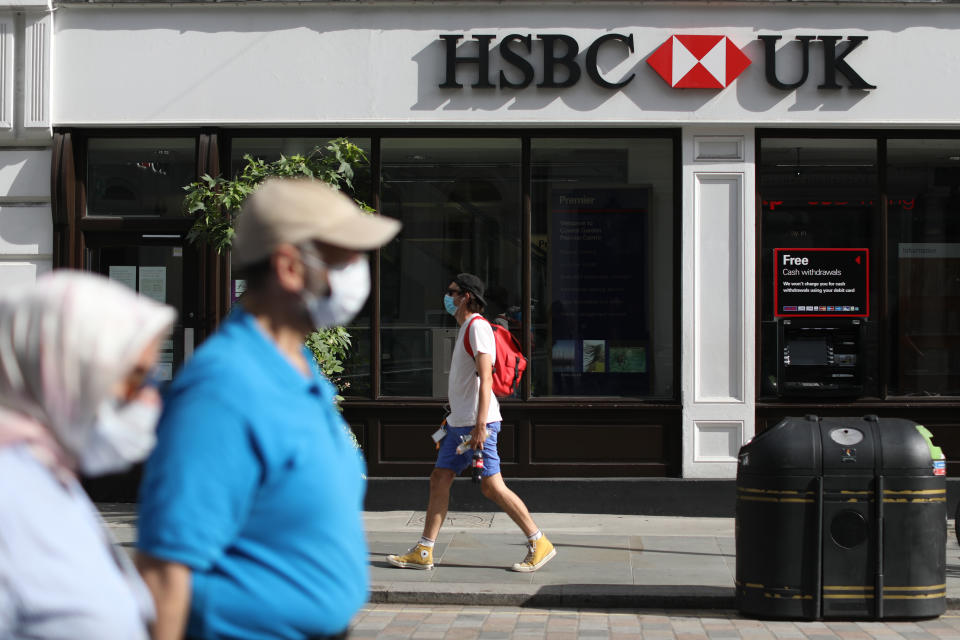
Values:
[(821, 283)]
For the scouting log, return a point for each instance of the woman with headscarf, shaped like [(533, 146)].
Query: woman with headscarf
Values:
[(76, 354)]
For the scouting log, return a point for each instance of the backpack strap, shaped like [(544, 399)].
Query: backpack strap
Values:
[(466, 336)]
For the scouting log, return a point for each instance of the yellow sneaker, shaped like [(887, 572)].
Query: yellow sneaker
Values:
[(539, 553), (418, 557)]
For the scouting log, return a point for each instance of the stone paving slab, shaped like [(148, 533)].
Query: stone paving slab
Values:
[(387, 620)]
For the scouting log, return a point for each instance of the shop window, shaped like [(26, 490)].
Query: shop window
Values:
[(459, 201), (603, 268), (924, 266), (357, 365), (139, 176), (819, 202)]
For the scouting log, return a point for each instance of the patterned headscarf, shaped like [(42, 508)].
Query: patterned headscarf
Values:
[(65, 341)]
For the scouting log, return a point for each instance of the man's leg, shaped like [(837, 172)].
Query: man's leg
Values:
[(440, 482), (494, 488), (420, 556), (539, 549)]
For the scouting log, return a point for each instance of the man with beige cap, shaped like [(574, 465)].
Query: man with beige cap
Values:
[(251, 505)]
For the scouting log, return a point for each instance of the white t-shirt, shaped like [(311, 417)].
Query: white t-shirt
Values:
[(463, 385)]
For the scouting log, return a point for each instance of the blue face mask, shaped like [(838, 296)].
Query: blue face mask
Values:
[(449, 305)]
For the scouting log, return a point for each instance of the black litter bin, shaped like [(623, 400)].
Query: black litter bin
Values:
[(841, 518)]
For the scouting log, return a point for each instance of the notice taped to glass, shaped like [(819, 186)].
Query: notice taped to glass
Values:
[(821, 282)]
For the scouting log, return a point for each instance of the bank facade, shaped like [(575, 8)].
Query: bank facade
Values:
[(696, 218)]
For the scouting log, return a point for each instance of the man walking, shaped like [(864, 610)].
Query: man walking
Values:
[(475, 412), (251, 505)]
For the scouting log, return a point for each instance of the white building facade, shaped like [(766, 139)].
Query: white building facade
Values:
[(625, 176)]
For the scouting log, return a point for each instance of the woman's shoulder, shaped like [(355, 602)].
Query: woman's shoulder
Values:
[(27, 482)]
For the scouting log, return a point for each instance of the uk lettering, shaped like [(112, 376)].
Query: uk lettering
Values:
[(518, 60)]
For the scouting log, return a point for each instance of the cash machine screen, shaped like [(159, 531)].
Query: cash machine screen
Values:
[(809, 352)]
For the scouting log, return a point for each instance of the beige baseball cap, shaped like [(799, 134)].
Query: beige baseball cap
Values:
[(294, 210)]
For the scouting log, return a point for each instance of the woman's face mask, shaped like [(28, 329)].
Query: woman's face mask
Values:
[(123, 434), (349, 289)]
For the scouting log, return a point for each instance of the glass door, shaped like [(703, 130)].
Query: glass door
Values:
[(159, 267)]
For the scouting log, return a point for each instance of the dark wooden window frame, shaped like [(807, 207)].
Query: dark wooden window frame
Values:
[(616, 437), (72, 222)]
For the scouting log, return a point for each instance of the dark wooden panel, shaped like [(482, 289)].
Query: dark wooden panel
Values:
[(593, 442), (578, 439), (411, 442)]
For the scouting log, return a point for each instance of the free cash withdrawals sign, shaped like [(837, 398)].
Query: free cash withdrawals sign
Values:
[(821, 282)]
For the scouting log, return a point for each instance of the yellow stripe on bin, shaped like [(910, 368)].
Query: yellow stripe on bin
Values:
[(916, 588), (921, 596), (847, 588)]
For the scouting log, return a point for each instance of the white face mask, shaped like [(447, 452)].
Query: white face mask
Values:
[(122, 435), (349, 289)]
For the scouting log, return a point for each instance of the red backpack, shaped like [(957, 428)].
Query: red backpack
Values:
[(510, 363)]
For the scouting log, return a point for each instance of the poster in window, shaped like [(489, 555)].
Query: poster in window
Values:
[(598, 290), (821, 282), (153, 283), (124, 274)]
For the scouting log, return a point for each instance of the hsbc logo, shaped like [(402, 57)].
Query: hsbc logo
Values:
[(698, 62), (682, 61)]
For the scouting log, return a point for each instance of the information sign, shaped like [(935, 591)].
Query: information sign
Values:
[(821, 283)]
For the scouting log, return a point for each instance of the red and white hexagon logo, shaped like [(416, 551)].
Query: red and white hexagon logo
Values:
[(698, 62)]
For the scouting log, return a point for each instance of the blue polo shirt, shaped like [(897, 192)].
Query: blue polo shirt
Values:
[(255, 486)]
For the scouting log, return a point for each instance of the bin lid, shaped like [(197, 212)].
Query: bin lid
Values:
[(791, 447), (841, 446), (907, 446)]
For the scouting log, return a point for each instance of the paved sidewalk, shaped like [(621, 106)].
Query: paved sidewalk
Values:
[(605, 561), (608, 561)]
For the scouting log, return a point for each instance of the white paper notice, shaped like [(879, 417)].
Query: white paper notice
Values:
[(125, 275), (164, 371), (153, 283)]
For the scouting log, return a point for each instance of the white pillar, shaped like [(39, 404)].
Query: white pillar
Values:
[(718, 298), (26, 227)]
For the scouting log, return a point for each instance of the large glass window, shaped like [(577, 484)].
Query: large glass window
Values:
[(139, 176), (459, 201), (357, 366), (818, 194), (603, 267), (924, 266)]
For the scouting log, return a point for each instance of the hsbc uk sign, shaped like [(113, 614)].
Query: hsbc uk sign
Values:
[(683, 61)]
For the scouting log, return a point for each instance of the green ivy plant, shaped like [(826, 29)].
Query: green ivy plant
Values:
[(215, 203)]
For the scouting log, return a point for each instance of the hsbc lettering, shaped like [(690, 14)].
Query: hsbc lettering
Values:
[(683, 61)]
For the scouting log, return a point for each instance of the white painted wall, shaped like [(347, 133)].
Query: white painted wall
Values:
[(348, 63)]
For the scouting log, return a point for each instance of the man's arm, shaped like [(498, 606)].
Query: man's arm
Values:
[(484, 364), (169, 582)]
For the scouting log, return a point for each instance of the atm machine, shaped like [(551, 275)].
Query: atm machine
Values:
[(819, 357)]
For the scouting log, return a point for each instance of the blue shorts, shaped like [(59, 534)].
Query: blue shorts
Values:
[(448, 458)]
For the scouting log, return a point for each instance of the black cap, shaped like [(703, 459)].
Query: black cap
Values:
[(473, 284)]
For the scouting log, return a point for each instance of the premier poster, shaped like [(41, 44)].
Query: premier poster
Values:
[(599, 289)]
